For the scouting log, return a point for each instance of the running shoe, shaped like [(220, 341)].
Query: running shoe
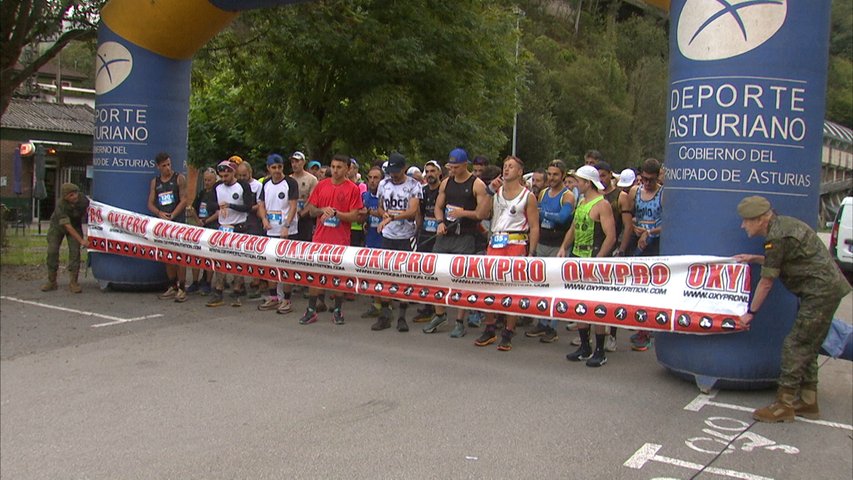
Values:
[(576, 341), (537, 331), (597, 359), (194, 288), (321, 306), (284, 307), (610, 344), (205, 289), (181, 295), (641, 342), (338, 316), (505, 344), (582, 353), (215, 300), (424, 314), (459, 330), (571, 326), (384, 320), (270, 303), (487, 338), (169, 293), (373, 312), (402, 326), (436, 322), (309, 317), (550, 336), (475, 319)]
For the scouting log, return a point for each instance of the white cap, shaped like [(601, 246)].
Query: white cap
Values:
[(588, 172), (627, 178), (412, 171), (298, 155)]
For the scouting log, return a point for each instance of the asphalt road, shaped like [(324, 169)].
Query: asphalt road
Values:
[(237, 393)]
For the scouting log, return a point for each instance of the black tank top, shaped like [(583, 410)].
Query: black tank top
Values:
[(461, 195), (168, 195), (613, 199)]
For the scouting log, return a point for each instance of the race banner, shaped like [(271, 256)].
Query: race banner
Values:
[(682, 294)]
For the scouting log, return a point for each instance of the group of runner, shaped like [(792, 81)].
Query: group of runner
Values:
[(487, 210)]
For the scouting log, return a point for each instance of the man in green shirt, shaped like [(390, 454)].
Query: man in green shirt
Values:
[(798, 258), (66, 221)]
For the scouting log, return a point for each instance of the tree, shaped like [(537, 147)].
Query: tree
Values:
[(27, 22)]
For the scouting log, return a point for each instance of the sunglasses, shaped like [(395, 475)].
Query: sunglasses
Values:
[(224, 169)]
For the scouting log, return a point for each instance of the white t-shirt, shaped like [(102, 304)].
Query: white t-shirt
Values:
[(232, 195), (395, 199), (276, 198)]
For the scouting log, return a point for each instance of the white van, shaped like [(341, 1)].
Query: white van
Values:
[(841, 239)]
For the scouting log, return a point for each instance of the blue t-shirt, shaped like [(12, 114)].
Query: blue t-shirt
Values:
[(372, 238)]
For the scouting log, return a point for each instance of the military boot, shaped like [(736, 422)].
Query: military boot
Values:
[(73, 286), (782, 410), (51, 282), (806, 405)]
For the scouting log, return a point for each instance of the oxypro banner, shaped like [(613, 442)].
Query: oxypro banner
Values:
[(685, 294)]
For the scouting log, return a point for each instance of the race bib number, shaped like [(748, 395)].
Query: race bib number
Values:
[(300, 204), (226, 228), (374, 221), (499, 240), (430, 225), (274, 217), (547, 224), (202, 210), (166, 198), (332, 222)]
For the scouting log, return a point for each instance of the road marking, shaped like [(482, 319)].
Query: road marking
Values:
[(702, 400), (648, 452), (114, 320)]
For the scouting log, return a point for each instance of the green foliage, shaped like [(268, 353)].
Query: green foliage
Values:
[(839, 91)]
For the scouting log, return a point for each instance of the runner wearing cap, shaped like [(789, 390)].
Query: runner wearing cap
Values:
[(627, 179), (592, 234), (795, 255), (167, 199)]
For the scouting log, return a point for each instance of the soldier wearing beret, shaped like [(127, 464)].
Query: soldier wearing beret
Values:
[(66, 221), (795, 255)]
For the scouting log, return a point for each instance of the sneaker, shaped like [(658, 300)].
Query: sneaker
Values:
[(641, 342), (550, 336), (576, 341), (582, 353), (321, 307), (597, 359), (436, 322), (284, 307), (402, 326), (338, 316), (459, 330), (181, 295), (373, 312), (475, 319), (610, 344), (571, 326), (487, 338), (205, 289), (270, 303), (215, 301), (194, 288), (309, 317), (254, 293), (537, 331), (424, 314), (169, 293), (506, 340), (384, 320)]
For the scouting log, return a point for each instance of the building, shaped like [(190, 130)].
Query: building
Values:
[(836, 179)]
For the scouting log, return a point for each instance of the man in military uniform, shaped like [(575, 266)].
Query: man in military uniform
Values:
[(794, 254), (66, 221)]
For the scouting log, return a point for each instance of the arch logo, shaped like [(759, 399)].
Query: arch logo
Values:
[(114, 64), (720, 29)]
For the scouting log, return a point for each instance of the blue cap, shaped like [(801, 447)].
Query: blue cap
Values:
[(457, 155), (275, 158), (314, 163)]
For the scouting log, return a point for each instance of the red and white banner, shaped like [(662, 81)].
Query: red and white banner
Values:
[(683, 294)]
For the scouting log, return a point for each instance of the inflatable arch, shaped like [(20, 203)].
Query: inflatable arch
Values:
[(746, 106)]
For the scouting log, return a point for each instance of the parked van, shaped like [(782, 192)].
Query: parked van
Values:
[(841, 239)]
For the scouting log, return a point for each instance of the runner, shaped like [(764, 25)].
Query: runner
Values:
[(167, 199), (335, 203), (201, 277), (306, 183), (427, 224), (515, 233), (371, 219), (592, 234), (399, 202), (461, 204), (244, 173)]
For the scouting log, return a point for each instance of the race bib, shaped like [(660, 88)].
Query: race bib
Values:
[(332, 222), (499, 240), (202, 210), (547, 224), (274, 217), (226, 228), (300, 204), (430, 225), (166, 198), (374, 221)]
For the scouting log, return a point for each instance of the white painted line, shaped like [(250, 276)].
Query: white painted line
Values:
[(705, 400), (114, 320), (648, 452)]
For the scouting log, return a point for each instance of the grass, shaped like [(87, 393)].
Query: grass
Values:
[(30, 249)]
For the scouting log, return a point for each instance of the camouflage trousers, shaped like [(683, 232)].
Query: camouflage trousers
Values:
[(54, 241), (801, 346)]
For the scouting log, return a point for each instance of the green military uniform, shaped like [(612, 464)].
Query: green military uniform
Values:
[(66, 214), (795, 255)]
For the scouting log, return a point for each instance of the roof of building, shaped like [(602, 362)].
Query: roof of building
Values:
[(50, 70), (49, 117), (838, 132)]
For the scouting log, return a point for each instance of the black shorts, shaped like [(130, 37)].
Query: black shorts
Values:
[(403, 244), (459, 244)]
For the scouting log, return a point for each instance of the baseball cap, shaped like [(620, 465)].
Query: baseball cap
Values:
[(396, 163), (588, 172), (235, 159), (602, 165), (626, 178), (754, 206), (480, 160), (458, 155), (313, 163), (433, 163), (226, 165), (412, 171), (298, 155), (67, 188), (275, 158)]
